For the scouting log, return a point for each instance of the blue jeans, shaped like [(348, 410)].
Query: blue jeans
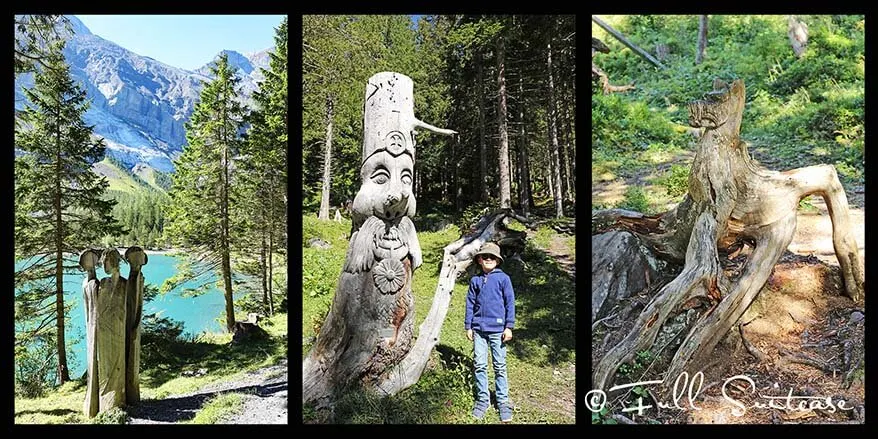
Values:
[(481, 340)]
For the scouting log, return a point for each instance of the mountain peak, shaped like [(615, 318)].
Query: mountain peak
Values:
[(78, 26), (238, 60)]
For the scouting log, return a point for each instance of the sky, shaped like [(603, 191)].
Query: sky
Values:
[(185, 41)]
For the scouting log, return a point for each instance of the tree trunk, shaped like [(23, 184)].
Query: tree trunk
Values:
[(525, 198), (798, 32), (483, 153), (63, 373), (618, 35), (565, 156), (557, 194), (702, 39), (732, 202), (503, 154), (263, 268), (327, 164), (271, 226), (224, 240), (370, 325)]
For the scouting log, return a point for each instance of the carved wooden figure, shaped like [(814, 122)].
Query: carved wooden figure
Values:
[(370, 325), (110, 333), (136, 258), (88, 260)]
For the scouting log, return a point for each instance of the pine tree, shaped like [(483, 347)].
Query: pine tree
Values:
[(60, 208), (199, 211), (264, 174)]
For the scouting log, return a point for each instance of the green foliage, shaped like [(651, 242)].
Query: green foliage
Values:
[(200, 213), (159, 339), (113, 416), (319, 269), (635, 199), (620, 124), (676, 180), (603, 417), (799, 112), (142, 213), (59, 206)]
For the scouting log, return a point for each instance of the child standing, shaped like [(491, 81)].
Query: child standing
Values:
[(490, 317)]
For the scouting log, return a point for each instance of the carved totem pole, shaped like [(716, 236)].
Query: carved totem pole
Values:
[(113, 307), (370, 325)]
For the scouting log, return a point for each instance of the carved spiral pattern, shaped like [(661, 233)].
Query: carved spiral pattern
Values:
[(389, 276)]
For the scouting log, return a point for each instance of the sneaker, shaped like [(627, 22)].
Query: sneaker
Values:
[(505, 412), (479, 409)]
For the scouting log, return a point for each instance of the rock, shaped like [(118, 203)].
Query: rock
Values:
[(856, 316), (319, 243)]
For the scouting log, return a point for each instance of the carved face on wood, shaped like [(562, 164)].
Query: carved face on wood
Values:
[(719, 107), (387, 184)]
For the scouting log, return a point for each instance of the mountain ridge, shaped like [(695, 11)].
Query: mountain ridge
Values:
[(139, 105)]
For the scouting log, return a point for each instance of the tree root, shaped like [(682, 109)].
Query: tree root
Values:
[(731, 200)]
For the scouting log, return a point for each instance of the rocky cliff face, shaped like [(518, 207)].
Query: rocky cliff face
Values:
[(140, 105)]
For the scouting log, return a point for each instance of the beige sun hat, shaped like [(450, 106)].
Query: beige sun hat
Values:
[(489, 248)]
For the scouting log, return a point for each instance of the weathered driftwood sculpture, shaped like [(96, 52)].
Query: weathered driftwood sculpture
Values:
[(369, 328), (113, 309), (732, 203), (110, 333), (136, 258), (88, 260)]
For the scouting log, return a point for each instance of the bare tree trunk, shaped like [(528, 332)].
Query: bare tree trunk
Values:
[(558, 195), (798, 32), (525, 198), (63, 373), (263, 268), (224, 240), (732, 202), (327, 162), (271, 227), (483, 153), (702, 39), (568, 185), (503, 153), (618, 35)]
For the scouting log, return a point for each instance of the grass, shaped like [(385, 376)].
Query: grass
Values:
[(799, 112), (162, 379), (218, 408), (543, 342)]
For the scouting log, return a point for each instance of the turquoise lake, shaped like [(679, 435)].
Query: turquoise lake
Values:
[(198, 314)]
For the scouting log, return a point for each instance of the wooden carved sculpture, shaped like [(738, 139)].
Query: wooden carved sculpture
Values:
[(113, 309), (110, 333), (136, 258), (370, 325), (732, 202)]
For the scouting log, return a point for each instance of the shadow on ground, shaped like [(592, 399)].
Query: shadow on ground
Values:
[(173, 410), (545, 308)]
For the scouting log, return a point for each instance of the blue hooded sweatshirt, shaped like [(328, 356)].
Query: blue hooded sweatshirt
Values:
[(490, 302)]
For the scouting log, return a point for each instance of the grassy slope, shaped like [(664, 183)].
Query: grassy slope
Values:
[(224, 362), (121, 180), (799, 112), (541, 358)]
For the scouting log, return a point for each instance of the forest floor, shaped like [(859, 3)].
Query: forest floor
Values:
[(807, 333)]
